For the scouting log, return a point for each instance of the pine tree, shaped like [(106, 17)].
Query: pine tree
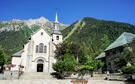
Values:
[(3, 59)]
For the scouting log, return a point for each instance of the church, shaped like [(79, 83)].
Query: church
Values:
[(38, 54)]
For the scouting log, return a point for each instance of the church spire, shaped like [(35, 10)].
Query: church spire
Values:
[(56, 23), (56, 18)]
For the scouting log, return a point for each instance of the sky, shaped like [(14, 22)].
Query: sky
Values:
[(69, 11)]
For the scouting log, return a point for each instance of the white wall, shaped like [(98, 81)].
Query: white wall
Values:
[(55, 38), (16, 61), (29, 57), (38, 38)]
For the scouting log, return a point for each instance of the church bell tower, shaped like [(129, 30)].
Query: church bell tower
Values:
[(57, 36)]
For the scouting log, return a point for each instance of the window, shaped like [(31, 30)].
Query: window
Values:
[(41, 45), (41, 48), (45, 49), (41, 33), (36, 48), (29, 38), (57, 37)]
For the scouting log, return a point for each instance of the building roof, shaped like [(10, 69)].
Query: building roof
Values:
[(18, 54), (124, 38), (101, 55)]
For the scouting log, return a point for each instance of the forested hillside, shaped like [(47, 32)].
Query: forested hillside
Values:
[(15, 33), (94, 35)]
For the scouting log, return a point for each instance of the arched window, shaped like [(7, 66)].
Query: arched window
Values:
[(41, 48), (40, 61), (45, 49), (57, 37), (36, 48), (41, 45)]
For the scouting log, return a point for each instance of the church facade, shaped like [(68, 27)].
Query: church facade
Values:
[(38, 53)]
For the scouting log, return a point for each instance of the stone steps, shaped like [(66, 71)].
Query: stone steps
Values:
[(36, 75), (98, 77)]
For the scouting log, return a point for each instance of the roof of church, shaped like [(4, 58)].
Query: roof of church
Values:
[(18, 54), (101, 55), (124, 38), (49, 33)]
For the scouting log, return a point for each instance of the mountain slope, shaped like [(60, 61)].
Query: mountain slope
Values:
[(94, 35), (15, 33)]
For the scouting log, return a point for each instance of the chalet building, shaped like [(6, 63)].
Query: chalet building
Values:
[(114, 50)]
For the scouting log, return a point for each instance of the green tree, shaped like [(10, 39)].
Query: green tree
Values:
[(82, 56), (120, 62), (96, 64), (132, 45), (127, 55), (67, 64), (59, 66), (3, 57), (61, 49), (69, 61)]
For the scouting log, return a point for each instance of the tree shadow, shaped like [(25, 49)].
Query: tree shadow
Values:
[(130, 82)]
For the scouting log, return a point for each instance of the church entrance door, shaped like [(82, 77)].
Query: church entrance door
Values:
[(39, 67)]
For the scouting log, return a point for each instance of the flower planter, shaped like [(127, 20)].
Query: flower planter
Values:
[(21, 66), (79, 81), (7, 67), (12, 65)]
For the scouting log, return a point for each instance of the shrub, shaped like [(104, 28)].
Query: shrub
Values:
[(128, 69), (58, 66), (96, 64), (86, 67)]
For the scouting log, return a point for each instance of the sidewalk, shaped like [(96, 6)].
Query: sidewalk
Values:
[(1, 76), (56, 82)]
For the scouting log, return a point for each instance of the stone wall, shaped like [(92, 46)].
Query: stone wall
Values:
[(9, 75), (111, 55)]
